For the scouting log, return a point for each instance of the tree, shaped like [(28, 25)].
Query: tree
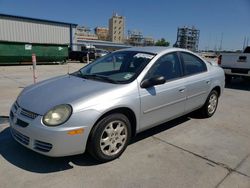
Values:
[(162, 42)]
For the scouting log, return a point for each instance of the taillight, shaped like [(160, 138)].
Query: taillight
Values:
[(219, 60)]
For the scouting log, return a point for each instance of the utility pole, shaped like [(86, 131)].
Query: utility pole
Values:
[(244, 43), (221, 40)]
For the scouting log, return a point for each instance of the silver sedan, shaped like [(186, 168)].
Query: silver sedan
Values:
[(100, 107)]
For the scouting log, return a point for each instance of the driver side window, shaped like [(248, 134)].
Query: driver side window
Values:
[(168, 66)]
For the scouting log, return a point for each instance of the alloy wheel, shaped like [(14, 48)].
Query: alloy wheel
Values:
[(113, 138)]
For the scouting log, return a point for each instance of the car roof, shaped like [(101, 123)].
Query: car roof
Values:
[(153, 49)]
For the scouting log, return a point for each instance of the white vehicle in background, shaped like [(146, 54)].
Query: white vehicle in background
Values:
[(235, 64), (100, 52)]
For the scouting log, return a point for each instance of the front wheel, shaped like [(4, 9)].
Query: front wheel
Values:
[(228, 79), (110, 137), (210, 106)]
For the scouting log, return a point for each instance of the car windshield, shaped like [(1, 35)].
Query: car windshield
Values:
[(117, 67)]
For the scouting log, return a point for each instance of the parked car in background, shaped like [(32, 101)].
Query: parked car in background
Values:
[(236, 64), (82, 54), (100, 107)]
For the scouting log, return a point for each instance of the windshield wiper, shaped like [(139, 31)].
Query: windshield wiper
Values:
[(98, 77)]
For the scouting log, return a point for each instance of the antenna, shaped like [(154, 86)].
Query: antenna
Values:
[(244, 43), (215, 45)]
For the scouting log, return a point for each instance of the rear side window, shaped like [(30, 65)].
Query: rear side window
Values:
[(192, 64)]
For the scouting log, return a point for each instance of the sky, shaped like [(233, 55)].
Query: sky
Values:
[(218, 20)]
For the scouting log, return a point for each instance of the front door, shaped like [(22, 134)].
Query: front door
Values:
[(163, 102)]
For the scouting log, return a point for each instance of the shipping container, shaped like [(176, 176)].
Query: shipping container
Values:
[(20, 52)]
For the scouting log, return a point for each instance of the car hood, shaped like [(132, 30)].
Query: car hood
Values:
[(41, 97)]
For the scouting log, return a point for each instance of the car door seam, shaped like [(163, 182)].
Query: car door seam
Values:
[(195, 95), (164, 105)]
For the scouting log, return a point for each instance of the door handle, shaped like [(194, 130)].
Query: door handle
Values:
[(208, 81)]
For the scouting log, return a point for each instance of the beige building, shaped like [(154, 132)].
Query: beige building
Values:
[(102, 33), (116, 28)]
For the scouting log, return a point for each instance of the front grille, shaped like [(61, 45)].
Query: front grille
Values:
[(15, 106), (24, 112), (11, 115), (20, 137), (21, 123), (42, 146), (28, 114)]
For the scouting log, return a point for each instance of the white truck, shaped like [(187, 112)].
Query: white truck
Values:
[(235, 64)]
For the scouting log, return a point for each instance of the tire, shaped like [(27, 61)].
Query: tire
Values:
[(210, 106), (109, 138), (246, 79), (228, 79), (83, 60)]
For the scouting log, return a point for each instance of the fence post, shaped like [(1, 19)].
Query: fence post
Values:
[(88, 58), (34, 67)]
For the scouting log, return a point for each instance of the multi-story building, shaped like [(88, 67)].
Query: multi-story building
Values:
[(116, 28), (102, 33), (136, 38), (149, 41), (188, 38)]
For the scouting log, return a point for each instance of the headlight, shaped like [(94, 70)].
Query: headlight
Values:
[(57, 115)]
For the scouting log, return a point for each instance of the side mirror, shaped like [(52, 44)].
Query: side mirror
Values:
[(156, 80)]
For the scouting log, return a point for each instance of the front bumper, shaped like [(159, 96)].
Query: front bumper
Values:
[(51, 141)]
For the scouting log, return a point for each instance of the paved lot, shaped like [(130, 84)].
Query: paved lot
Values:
[(187, 152)]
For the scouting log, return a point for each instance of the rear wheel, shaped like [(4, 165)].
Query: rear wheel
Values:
[(83, 59), (110, 137), (228, 79), (246, 79), (210, 106)]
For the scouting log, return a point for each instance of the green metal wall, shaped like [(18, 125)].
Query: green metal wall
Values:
[(16, 52)]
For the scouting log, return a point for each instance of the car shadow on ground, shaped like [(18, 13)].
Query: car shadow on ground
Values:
[(31, 161), (239, 83)]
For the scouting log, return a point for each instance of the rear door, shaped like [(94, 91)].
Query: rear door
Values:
[(197, 80)]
